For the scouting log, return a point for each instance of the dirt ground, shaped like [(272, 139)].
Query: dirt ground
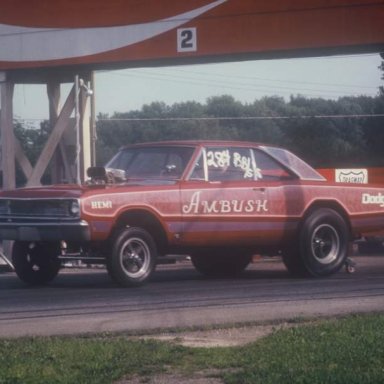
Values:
[(200, 378), (228, 337)]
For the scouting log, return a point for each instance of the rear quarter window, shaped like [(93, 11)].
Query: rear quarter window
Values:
[(269, 169)]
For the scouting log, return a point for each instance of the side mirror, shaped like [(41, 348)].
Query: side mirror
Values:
[(115, 175)]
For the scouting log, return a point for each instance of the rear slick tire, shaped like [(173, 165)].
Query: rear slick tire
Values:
[(323, 245)]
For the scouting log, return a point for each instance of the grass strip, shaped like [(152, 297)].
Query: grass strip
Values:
[(347, 350)]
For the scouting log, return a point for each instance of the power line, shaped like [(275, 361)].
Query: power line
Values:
[(354, 116), (227, 118), (232, 85), (275, 80), (248, 83)]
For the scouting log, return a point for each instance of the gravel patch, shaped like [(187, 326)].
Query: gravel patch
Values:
[(172, 379), (227, 337)]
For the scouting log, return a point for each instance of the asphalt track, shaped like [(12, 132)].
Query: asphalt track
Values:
[(86, 301)]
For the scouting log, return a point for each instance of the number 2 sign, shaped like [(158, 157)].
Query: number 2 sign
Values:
[(186, 40)]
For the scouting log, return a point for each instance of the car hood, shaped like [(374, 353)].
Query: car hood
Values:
[(56, 191), (76, 191)]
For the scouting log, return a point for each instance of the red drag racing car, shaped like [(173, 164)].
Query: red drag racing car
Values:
[(219, 202)]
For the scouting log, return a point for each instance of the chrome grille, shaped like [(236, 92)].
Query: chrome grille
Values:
[(36, 207)]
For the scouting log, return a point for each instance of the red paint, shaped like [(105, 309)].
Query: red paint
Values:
[(234, 28)]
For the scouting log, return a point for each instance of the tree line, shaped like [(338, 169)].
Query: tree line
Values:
[(326, 133)]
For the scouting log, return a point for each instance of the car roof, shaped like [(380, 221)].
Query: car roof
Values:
[(299, 167), (196, 143)]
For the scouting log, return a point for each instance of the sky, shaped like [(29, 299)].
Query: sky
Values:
[(129, 89)]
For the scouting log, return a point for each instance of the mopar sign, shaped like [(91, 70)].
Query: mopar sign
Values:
[(358, 176)]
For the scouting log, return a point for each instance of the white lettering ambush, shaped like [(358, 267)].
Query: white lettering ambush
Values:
[(209, 207), (261, 205), (103, 204), (238, 206), (197, 205), (193, 206), (378, 199)]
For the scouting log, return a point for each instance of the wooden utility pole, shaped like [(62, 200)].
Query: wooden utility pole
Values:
[(7, 136)]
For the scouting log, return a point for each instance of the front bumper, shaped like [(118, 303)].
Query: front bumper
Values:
[(38, 231)]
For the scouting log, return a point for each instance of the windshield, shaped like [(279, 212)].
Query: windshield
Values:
[(152, 162)]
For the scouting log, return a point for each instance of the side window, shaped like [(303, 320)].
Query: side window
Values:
[(268, 168), (177, 160), (237, 164), (173, 166)]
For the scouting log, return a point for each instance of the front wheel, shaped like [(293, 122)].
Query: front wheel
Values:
[(323, 245), (36, 263), (133, 257)]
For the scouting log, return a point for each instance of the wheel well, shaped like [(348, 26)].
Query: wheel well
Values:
[(147, 221), (332, 205)]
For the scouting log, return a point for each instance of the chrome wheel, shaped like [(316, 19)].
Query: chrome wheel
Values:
[(321, 247), (135, 257), (325, 244)]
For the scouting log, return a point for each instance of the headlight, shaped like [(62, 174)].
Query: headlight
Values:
[(74, 208)]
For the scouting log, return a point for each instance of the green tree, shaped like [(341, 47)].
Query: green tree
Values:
[(374, 127), (304, 125), (32, 141), (381, 88)]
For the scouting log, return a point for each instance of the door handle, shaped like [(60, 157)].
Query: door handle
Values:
[(259, 189)]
